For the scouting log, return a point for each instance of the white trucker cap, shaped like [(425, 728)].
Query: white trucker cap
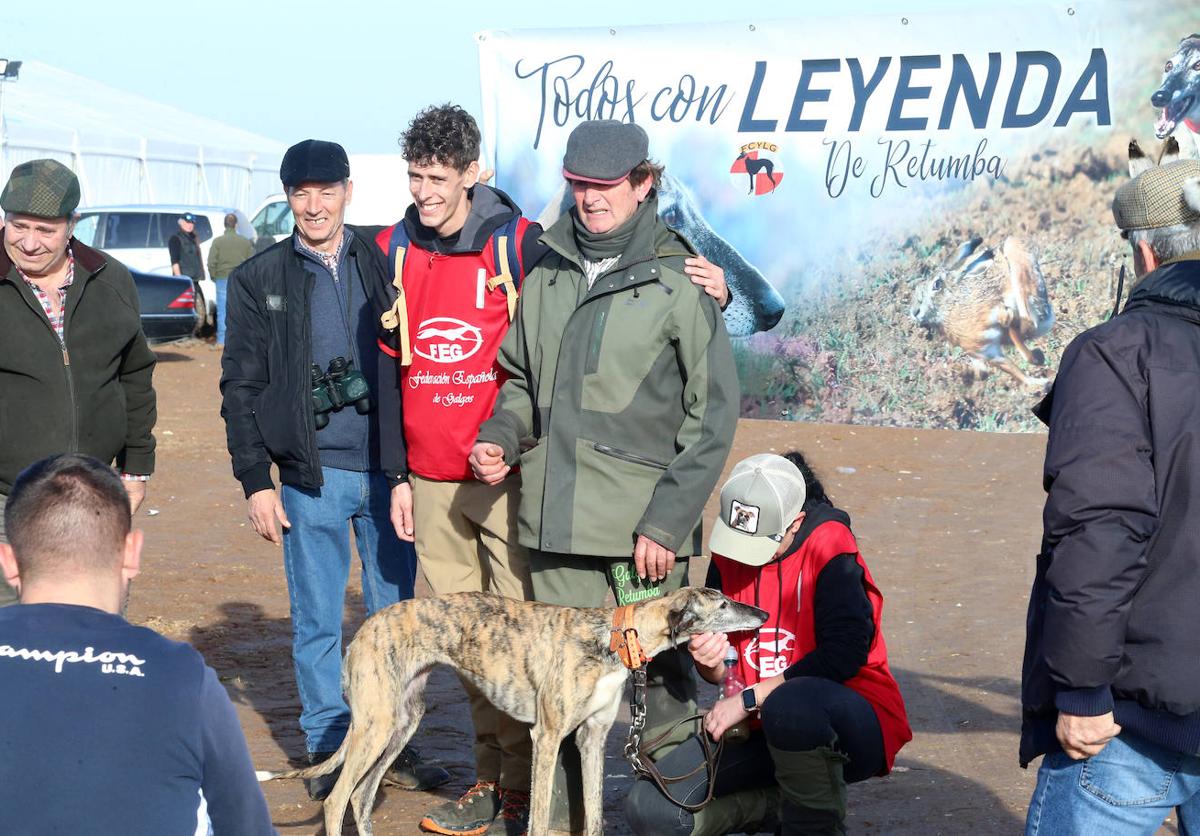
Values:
[(759, 501)]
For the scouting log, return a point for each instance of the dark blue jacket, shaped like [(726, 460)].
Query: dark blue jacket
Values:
[(1111, 623)]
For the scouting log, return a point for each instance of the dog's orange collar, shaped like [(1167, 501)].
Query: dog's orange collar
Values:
[(624, 639)]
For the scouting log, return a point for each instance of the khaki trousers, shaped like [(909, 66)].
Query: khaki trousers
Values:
[(466, 539)]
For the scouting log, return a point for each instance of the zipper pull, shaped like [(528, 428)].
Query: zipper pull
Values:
[(66, 357)]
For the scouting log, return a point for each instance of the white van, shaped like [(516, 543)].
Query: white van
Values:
[(137, 236)]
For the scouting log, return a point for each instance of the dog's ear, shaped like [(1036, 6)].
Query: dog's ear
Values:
[(682, 616)]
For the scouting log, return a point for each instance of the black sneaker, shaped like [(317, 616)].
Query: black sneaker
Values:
[(470, 815), (514, 815), (320, 786), (408, 771)]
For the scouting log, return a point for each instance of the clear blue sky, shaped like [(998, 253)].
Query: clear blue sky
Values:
[(355, 70)]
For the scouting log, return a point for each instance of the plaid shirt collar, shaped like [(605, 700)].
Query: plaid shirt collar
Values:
[(56, 320), (329, 260)]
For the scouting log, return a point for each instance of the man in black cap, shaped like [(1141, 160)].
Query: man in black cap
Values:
[(303, 387), (75, 368), (621, 371), (184, 249)]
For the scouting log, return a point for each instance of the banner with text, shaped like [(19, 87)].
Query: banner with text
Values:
[(912, 212)]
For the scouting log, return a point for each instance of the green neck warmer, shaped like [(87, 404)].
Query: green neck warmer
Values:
[(597, 246)]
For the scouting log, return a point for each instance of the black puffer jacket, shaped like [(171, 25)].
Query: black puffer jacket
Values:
[(1111, 623), (266, 384)]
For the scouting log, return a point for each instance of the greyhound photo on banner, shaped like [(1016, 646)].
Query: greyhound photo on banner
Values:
[(911, 212)]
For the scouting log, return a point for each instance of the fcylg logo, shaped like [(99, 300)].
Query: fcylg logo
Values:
[(757, 168), (444, 339)]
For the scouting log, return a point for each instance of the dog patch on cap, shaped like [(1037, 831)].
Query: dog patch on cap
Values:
[(743, 517)]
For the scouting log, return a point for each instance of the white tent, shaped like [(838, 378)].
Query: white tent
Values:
[(128, 149)]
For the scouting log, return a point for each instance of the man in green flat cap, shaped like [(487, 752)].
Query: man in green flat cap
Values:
[(75, 369), (1110, 685)]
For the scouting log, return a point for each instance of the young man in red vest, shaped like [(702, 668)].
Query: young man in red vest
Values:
[(457, 258), (823, 707)]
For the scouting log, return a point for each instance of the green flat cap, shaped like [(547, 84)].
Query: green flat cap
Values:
[(1154, 198), (42, 188)]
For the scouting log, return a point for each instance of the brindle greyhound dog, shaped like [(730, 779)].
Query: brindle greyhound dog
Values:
[(558, 668)]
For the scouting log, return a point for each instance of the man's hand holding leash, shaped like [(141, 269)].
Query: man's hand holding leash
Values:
[(265, 511), (487, 463)]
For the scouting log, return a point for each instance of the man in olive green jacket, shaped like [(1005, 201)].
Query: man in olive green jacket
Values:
[(620, 406), (226, 253), (76, 373)]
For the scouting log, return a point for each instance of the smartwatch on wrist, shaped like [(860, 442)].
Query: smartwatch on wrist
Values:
[(749, 700)]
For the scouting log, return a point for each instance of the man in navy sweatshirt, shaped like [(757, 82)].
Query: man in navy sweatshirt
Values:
[(104, 727)]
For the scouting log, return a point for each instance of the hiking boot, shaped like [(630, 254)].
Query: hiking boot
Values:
[(408, 771), (320, 786), (470, 815), (514, 815)]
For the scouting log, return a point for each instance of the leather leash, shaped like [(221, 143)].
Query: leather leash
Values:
[(624, 642)]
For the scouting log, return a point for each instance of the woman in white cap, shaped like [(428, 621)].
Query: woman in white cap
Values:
[(822, 705)]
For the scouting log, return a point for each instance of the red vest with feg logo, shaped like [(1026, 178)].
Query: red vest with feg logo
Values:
[(456, 325), (785, 589)]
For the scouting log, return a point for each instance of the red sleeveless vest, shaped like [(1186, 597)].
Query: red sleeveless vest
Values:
[(785, 590)]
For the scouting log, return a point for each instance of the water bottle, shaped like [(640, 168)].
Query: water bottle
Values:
[(732, 686)]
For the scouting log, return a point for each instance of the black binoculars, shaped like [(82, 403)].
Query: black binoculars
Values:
[(339, 385)]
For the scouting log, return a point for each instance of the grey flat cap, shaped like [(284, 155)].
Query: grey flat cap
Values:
[(604, 151), (42, 188), (1155, 198), (314, 161)]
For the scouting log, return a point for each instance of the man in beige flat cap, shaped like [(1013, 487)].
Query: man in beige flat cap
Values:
[(1110, 687), (75, 369)]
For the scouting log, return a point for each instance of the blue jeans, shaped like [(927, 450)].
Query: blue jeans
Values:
[(1130, 787), (316, 558), (222, 286)]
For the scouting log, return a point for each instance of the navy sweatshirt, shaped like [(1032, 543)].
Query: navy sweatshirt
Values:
[(110, 728)]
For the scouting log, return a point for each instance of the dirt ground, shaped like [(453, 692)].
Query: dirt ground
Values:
[(948, 522)]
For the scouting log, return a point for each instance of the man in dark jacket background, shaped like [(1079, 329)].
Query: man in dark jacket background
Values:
[(1111, 684), (309, 304), (75, 368), (183, 248)]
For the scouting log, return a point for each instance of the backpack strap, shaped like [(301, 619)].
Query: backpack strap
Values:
[(396, 318), (505, 256)]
